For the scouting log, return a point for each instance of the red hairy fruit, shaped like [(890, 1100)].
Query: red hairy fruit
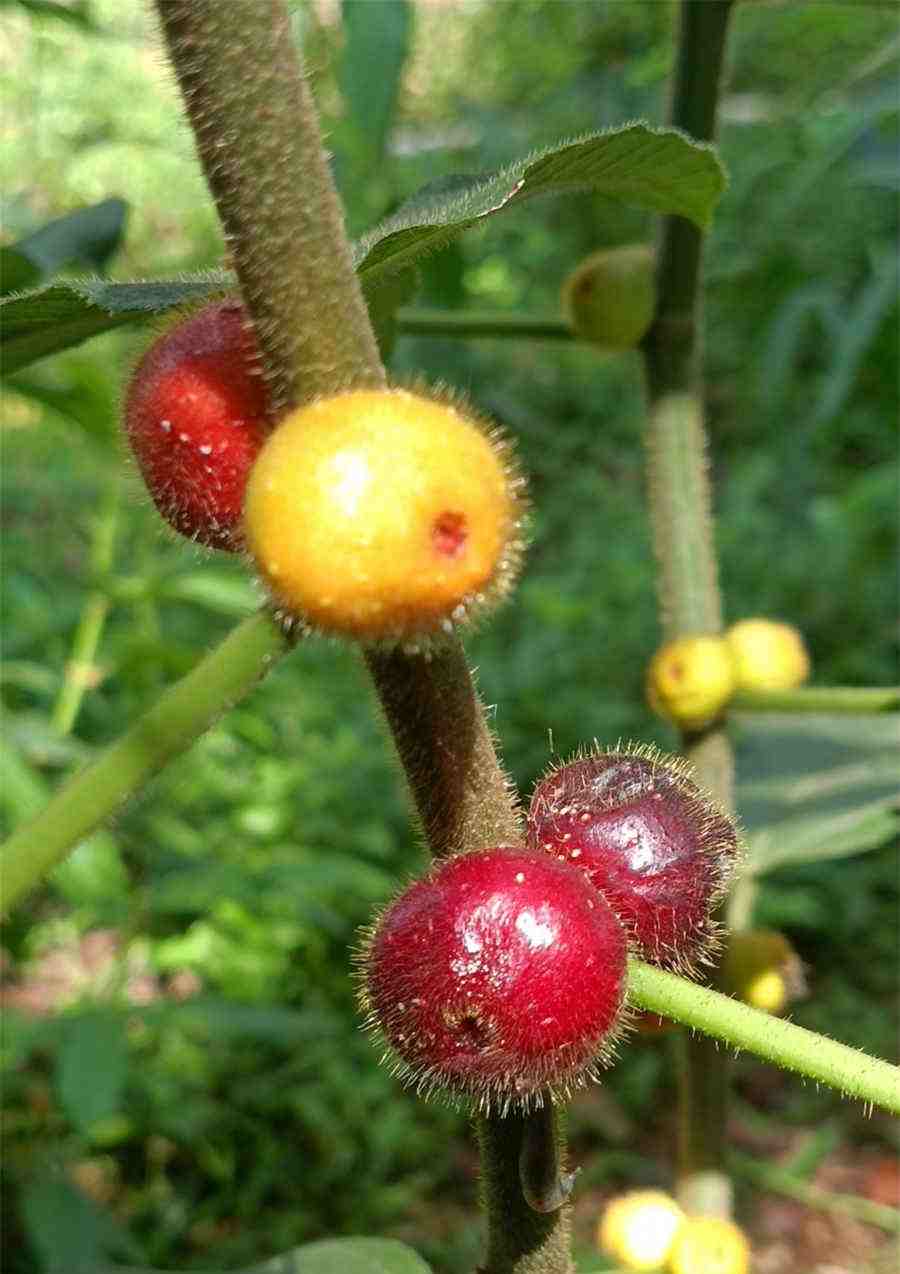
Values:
[(648, 839), (195, 416), (497, 977)]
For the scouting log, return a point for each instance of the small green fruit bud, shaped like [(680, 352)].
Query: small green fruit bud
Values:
[(610, 298)]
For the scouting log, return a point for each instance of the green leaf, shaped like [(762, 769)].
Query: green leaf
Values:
[(91, 1068), (816, 786), (328, 1256), (64, 314), (88, 236), (658, 169), (655, 168), (375, 36), (76, 15), (69, 1233)]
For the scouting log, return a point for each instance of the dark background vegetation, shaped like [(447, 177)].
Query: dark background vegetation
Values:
[(185, 1082)]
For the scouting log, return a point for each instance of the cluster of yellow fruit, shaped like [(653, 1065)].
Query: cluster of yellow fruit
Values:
[(383, 515), (692, 679), (647, 1230)]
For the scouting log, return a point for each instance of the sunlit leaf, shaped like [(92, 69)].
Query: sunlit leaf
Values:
[(815, 787), (655, 168)]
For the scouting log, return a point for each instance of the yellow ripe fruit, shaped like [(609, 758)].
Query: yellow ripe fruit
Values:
[(690, 680), (382, 514), (761, 968), (639, 1228), (767, 655), (709, 1245), (610, 298)]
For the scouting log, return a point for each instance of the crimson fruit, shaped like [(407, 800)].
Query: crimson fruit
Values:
[(498, 976), (648, 839), (195, 416)]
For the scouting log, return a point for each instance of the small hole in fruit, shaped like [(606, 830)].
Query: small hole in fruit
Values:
[(472, 1032), (449, 534)]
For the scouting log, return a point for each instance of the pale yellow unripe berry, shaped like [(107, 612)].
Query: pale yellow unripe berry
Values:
[(690, 680), (709, 1245), (768, 655), (639, 1228), (761, 968)]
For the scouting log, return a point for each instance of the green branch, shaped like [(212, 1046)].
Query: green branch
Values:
[(778, 1180), (178, 718), (852, 699), (791, 1047), (473, 324), (681, 506)]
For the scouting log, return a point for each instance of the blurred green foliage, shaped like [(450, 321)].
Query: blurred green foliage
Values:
[(185, 1082)]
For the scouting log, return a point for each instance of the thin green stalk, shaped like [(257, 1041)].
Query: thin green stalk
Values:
[(179, 717), (80, 664), (772, 1177), (855, 1074), (258, 139), (681, 506), (473, 324), (858, 700)]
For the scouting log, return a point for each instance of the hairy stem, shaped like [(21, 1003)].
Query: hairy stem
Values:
[(178, 718), (775, 1040), (258, 139), (462, 796), (680, 502), (521, 1240)]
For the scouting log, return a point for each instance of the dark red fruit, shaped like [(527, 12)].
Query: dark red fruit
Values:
[(648, 839), (499, 975), (195, 414)]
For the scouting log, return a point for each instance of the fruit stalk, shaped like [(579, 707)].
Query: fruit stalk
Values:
[(776, 1040), (682, 524), (259, 141)]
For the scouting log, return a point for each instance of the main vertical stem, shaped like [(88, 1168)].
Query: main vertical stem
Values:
[(258, 139), (681, 517)]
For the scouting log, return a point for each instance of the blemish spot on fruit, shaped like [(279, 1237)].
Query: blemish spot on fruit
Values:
[(472, 1032), (537, 1008), (165, 425), (449, 534)]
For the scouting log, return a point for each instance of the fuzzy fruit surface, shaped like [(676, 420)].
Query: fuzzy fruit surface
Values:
[(690, 680), (767, 655), (639, 1228), (709, 1245), (610, 298), (500, 973), (195, 415), (381, 514), (647, 839)]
